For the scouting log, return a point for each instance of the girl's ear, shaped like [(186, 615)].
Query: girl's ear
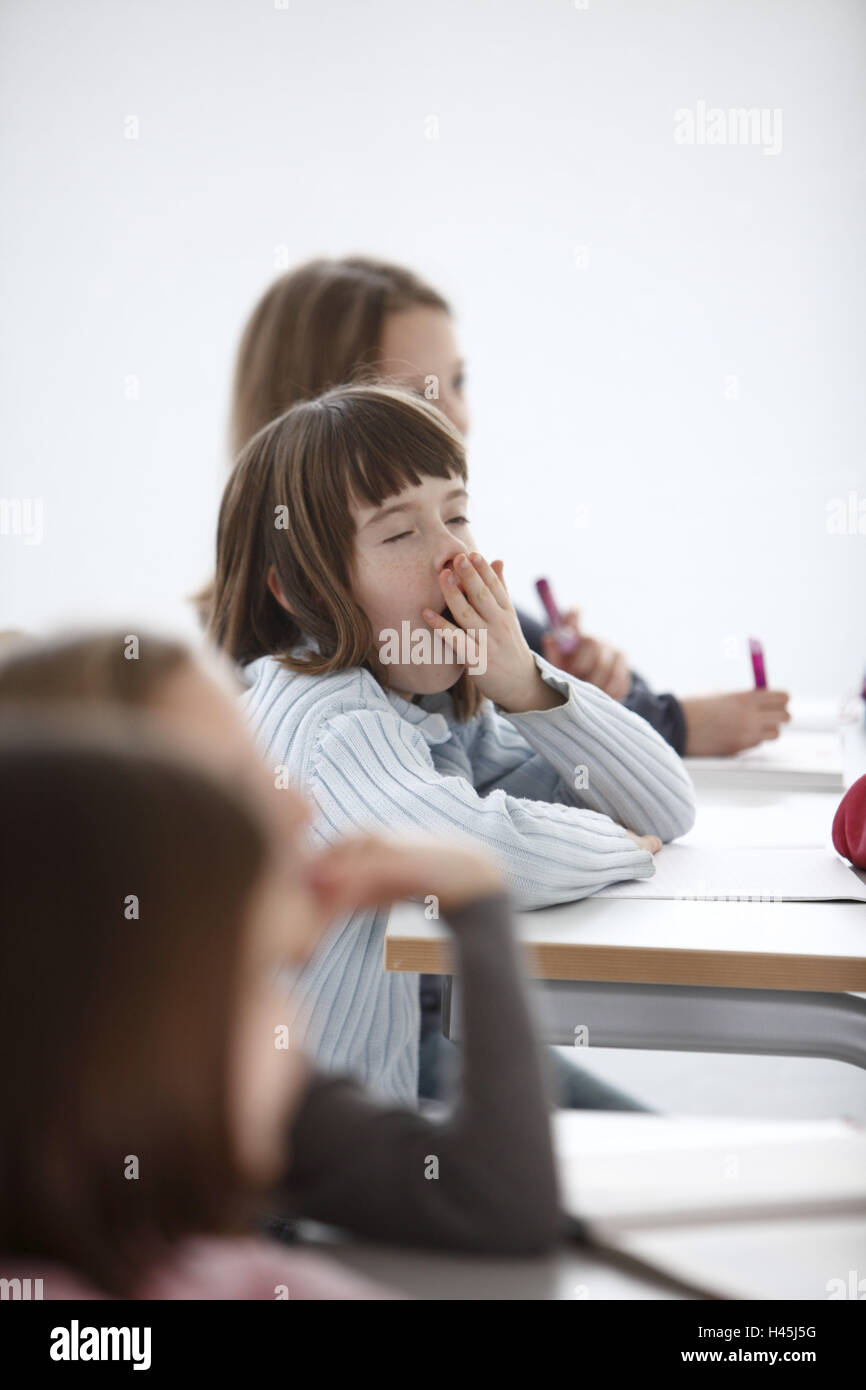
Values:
[(274, 586)]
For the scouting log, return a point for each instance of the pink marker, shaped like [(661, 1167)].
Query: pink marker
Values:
[(566, 640), (757, 654)]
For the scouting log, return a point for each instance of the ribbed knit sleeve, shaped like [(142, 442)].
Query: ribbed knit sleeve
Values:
[(373, 769), (590, 752)]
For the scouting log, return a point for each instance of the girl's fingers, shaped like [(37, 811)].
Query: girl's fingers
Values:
[(461, 609), (773, 700), (498, 566), (551, 653), (474, 586), (603, 668), (615, 678), (621, 679), (767, 700), (435, 619), (585, 659), (571, 618), (345, 874), (367, 870), (450, 634), (492, 578), (650, 842)]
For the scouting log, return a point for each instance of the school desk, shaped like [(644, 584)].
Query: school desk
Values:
[(676, 1208), (568, 1272), (577, 1272), (779, 978)]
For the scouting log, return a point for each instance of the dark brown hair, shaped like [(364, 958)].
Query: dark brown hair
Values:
[(356, 442), (115, 1030)]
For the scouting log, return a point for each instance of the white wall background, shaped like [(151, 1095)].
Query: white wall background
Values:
[(602, 387)]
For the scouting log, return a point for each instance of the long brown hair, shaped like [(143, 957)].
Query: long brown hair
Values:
[(314, 328), (355, 442), (116, 1020)]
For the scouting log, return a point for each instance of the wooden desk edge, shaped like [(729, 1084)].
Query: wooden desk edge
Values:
[(638, 965)]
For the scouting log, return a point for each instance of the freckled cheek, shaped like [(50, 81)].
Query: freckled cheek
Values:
[(390, 588)]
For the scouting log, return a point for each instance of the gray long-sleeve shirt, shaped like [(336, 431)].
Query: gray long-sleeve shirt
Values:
[(481, 1179)]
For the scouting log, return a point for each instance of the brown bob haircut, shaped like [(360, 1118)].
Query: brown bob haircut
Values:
[(115, 1034), (365, 443), (314, 328)]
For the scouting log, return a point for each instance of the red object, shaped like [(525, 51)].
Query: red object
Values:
[(849, 824)]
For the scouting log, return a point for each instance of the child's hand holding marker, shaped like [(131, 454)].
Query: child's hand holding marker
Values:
[(565, 634), (572, 651), (477, 600), (721, 725)]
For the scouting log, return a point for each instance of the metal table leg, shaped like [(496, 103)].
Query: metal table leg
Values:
[(690, 1018)]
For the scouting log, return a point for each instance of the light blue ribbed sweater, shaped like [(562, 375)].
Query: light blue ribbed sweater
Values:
[(370, 760)]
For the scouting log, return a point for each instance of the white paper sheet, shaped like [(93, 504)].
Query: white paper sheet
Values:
[(747, 874), (797, 758)]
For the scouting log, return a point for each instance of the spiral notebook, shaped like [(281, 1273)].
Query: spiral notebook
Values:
[(746, 873)]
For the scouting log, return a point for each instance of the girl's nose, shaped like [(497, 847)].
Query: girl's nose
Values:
[(447, 553)]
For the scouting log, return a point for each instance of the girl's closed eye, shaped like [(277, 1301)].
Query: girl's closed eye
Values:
[(452, 521)]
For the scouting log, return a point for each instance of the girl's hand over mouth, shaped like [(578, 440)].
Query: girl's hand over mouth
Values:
[(504, 669)]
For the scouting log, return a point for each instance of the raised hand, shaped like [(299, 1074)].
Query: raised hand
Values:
[(593, 661), (500, 662), (376, 870)]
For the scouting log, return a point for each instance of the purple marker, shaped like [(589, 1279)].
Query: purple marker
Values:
[(566, 640), (757, 654)]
